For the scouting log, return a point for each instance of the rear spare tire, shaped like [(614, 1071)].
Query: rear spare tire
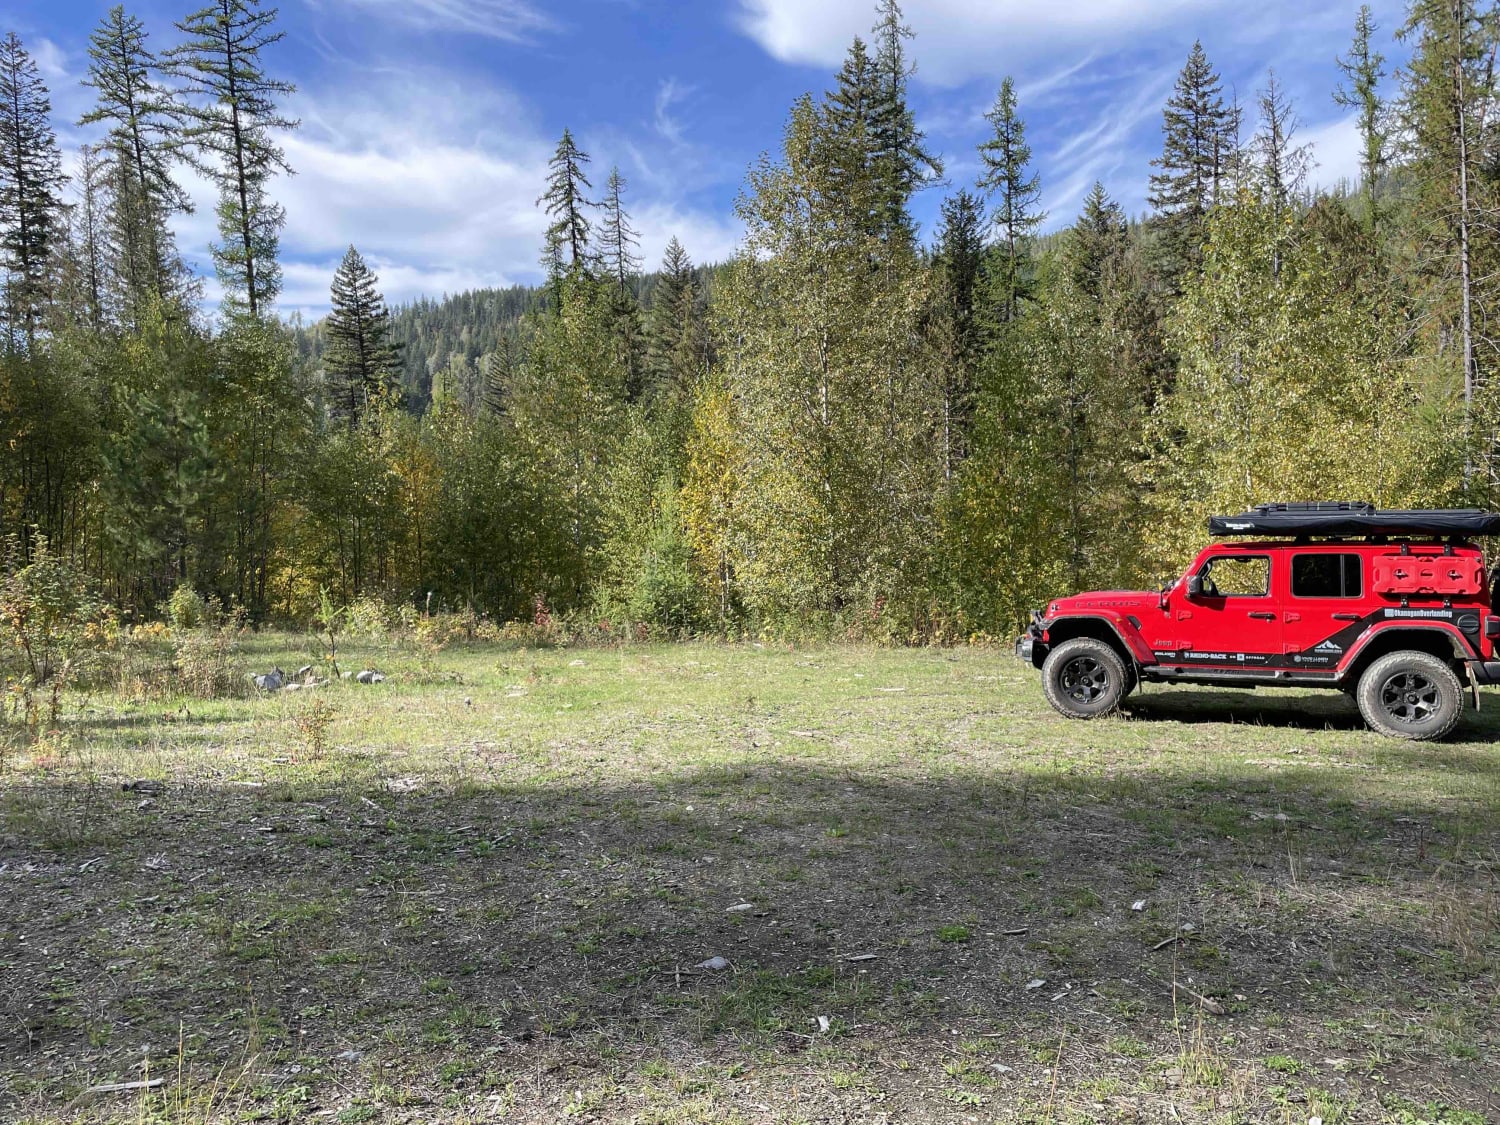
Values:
[(1411, 695), (1084, 678)]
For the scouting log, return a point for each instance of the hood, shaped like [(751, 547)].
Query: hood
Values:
[(1103, 601)]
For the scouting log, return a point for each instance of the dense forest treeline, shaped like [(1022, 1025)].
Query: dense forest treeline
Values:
[(842, 429)]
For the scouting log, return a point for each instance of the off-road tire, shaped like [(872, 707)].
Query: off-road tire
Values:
[(1084, 678), (1411, 695)]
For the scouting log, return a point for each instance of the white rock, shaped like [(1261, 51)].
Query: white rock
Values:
[(739, 908), (1138, 904), (1033, 984), (714, 964)]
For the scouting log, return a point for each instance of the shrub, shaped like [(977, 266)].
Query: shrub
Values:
[(50, 623), (186, 608)]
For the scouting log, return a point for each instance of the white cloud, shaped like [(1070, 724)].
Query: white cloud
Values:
[(1336, 148), (435, 179), (959, 39), (509, 20), (668, 94)]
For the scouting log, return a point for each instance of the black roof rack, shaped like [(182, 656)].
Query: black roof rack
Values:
[(1354, 518)]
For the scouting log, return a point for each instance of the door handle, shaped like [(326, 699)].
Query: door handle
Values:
[(1346, 617), (1264, 616)]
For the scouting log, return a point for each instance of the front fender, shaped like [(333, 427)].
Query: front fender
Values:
[(1125, 631)]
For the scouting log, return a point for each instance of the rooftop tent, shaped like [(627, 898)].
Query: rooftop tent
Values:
[(1342, 518)]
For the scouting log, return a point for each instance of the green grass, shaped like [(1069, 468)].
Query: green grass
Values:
[(482, 890)]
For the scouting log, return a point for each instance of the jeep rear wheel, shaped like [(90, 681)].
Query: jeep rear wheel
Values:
[(1084, 678), (1411, 695)]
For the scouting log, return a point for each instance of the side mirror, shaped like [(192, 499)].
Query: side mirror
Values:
[(1195, 586)]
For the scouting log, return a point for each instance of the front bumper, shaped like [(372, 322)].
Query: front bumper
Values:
[(1031, 646)]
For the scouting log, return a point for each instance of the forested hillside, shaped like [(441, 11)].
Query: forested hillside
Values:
[(854, 429)]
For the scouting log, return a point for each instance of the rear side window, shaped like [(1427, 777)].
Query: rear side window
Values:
[(1326, 576)]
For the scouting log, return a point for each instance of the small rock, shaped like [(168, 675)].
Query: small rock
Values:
[(1138, 905), (1000, 1068), (824, 1024), (146, 806), (739, 908), (350, 1056), (1034, 984), (271, 681), (303, 672), (292, 687), (714, 964), (369, 676)]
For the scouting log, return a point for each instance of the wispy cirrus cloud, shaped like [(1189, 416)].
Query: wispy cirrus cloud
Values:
[(515, 21)]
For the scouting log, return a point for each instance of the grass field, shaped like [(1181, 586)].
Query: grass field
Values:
[(481, 891)]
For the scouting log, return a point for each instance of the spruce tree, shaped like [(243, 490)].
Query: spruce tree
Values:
[(143, 143), (957, 268), (1199, 133), (93, 280), (1093, 248), (676, 336), (1363, 68), (1008, 180), (902, 162), (567, 246), (849, 109), (31, 181), (230, 123), (361, 362)]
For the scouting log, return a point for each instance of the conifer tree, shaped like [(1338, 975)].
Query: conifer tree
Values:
[(1281, 164), (230, 124), (93, 280), (1363, 69), (31, 180), (1016, 190), (1199, 135), (902, 162), (360, 359), (567, 246), (676, 335), (850, 109), (143, 143), (1096, 243), (618, 244), (957, 268), (618, 241), (1448, 87)]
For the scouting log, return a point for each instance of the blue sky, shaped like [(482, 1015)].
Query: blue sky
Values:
[(427, 124)]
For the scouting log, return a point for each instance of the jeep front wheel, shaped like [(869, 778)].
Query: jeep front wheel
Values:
[(1084, 678), (1411, 695)]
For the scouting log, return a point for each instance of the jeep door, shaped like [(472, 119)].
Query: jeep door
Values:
[(1233, 622), (1321, 607)]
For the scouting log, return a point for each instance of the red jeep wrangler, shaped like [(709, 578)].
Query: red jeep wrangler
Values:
[(1393, 607)]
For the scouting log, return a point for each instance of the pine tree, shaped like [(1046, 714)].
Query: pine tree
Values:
[(1363, 69), (230, 124), (1200, 136), (901, 161), (360, 359), (1007, 178), (142, 145), (567, 247), (957, 269), (31, 180)]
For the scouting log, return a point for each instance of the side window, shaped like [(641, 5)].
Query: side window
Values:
[(1237, 576), (1326, 576)]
